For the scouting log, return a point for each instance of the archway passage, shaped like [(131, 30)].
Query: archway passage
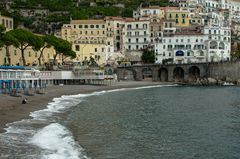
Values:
[(129, 75), (147, 74), (194, 73), (163, 74), (178, 74)]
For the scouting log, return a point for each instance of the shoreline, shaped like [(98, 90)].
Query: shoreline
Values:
[(12, 109)]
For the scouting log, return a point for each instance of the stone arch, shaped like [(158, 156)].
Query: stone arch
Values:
[(193, 73), (213, 45), (190, 53), (163, 74), (129, 74), (200, 53), (178, 74), (221, 46), (147, 73)]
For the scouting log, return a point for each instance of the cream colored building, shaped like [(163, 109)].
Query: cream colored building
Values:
[(31, 56), (7, 22), (88, 38)]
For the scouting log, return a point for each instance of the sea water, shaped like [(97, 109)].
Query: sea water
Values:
[(160, 122)]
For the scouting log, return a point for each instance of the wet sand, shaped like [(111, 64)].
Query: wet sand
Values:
[(12, 109)]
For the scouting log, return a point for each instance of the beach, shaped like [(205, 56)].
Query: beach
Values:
[(12, 109)]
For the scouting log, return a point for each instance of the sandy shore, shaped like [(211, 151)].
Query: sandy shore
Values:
[(12, 109)]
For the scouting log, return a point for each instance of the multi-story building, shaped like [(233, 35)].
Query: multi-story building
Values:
[(219, 43), (181, 17), (88, 38), (147, 13), (186, 45), (31, 56), (7, 22), (136, 38), (194, 45)]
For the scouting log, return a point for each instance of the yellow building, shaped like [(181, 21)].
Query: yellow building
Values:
[(7, 22), (88, 38), (31, 56), (181, 17)]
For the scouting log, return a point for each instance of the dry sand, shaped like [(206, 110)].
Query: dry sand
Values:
[(12, 109)]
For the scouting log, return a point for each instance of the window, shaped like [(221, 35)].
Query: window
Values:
[(163, 46), (77, 47), (136, 25), (182, 40), (183, 21), (137, 47), (92, 26), (176, 21), (29, 54), (97, 26), (137, 40), (95, 49), (85, 26), (188, 40), (103, 26), (102, 49)]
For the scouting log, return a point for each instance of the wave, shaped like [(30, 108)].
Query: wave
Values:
[(44, 131), (58, 143)]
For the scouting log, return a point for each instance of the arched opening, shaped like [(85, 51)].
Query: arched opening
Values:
[(221, 46), (147, 74), (129, 75), (178, 74), (163, 74), (110, 72), (194, 73), (213, 45)]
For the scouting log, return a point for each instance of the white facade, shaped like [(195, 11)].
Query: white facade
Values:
[(214, 44), (219, 43), (136, 35), (182, 49)]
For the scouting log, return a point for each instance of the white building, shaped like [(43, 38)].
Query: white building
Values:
[(219, 43), (136, 37), (205, 45)]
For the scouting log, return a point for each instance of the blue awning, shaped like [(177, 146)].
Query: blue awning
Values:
[(179, 53), (12, 67)]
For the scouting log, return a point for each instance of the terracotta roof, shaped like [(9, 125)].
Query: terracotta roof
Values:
[(151, 7), (168, 8), (113, 18), (87, 21)]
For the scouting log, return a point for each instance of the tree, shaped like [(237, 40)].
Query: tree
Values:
[(43, 45), (148, 56), (2, 29), (62, 47), (26, 39)]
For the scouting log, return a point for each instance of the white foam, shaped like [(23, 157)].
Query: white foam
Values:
[(57, 142), (55, 139)]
